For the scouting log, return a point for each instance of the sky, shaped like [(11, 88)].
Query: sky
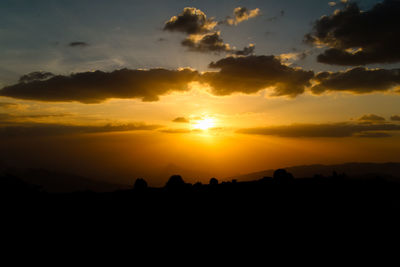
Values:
[(125, 89)]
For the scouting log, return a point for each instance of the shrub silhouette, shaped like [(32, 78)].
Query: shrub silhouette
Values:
[(197, 185), (175, 182), (213, 181), (140, 184), (282, 176)]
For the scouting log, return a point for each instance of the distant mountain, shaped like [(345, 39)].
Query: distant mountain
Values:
[(391, 171), (60, 182)]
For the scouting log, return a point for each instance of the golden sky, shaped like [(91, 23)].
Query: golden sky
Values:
[(241, 90)]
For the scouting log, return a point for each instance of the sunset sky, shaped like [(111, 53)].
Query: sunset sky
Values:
[(126, 89)]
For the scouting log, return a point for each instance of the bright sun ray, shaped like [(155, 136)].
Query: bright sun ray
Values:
[(204, 124)]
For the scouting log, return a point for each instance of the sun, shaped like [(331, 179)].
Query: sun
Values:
[(204, 124)]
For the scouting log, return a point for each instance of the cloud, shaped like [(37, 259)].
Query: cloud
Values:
[(7, 105), (78, 44), (190, 21), (357, 37), (46, 129), (248, 50), (177, 131), (343, 129), (372, 118), (10, 118), (181, 120), (253, 73), (372, 135), (98, 86), (294, 56), (395, 118), (211, 42), (357, 80), (241, 14), (201, 33), (35, 76)]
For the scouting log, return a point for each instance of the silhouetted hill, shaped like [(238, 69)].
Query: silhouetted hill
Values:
[(280, 193), (390, 171), (60, 182)]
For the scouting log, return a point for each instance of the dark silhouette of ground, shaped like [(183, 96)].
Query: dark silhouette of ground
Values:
[(140, 185), (281, 192)]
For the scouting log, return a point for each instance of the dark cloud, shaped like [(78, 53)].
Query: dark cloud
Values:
[(372, 118), (248, 50), (395, 118), (78, 44), (181, 120), (190, 21), (357, 37), (7, 119), (35, 76), (241, 14), (325, 130), (357, 80), (45, 129), (98, 86), (253, 73), (8, 105), (201, 34), (211, 42)]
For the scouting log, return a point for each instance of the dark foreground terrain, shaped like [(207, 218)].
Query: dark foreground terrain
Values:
[(336, 192)]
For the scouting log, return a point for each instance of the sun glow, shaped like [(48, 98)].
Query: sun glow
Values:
[(204, 124)]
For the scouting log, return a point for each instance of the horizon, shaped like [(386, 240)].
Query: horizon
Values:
[(118, 90)]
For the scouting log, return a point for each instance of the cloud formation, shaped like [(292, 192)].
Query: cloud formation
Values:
[(181, 120), (356, 37), (35, 76), (344, 129), (7, 105), (253, 73), (395, 118), (201, 33), (357, 80), (241, 14), (233, 74), (177, 131), (6, 118), (211, 42), (47, 129), (372, 118), (190, 21), (78, 44), (98, 86), (248, 50)]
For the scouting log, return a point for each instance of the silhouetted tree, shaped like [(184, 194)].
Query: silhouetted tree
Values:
[(175, 182), (282, 176), (213, 181), (140, 184), (197, 185)]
